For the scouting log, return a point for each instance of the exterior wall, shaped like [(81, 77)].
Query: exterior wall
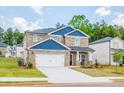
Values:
[(3, 50), (28, 41), (67, 40), (117, 40), (19, 52), (31, 54), (70, 41), (120, 46), (101, 53)]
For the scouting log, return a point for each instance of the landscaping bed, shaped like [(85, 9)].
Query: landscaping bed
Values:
[(105, 71), (9, 68)]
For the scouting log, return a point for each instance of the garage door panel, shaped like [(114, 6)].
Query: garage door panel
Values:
[(49, 59)]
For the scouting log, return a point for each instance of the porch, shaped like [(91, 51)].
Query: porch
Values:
[(80, 55)]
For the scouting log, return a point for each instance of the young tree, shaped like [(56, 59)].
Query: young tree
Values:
[(117, 57)]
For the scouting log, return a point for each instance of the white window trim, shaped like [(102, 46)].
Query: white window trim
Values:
[(77, 42), (34, 37)]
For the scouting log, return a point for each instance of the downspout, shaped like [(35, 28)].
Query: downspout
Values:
[(109, 52)]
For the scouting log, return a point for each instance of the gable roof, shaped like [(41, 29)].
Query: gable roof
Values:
[(49, 44), (43, 31), (76, 33), (62, 31), (3, 44), (106, 39)]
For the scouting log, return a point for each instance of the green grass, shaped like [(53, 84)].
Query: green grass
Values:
[(9, 68), (106, 71)]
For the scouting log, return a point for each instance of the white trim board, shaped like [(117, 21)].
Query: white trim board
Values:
[(67, 34)]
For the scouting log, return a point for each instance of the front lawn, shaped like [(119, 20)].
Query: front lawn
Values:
[(9, 68), (106, 71)]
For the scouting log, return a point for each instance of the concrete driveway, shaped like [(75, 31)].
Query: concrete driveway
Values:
[(67, 75)]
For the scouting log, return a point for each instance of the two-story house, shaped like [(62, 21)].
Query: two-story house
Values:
[(104, 48), (65, 46)]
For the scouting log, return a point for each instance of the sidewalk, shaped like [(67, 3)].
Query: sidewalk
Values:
[(19, 79)]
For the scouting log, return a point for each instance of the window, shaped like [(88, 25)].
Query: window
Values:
[(115, 45), (77, 41), (58, 38), (34, 37)]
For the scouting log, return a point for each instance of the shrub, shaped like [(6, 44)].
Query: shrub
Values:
[(82, 64), (20, 62), (0, 53), (120, 65), (29, 65), (96, 63)]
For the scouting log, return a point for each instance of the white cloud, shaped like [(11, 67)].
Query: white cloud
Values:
[(119, 20), (22, 24), (37, 9), (103, 11)]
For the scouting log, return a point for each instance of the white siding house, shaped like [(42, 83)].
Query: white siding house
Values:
[(104, 48)]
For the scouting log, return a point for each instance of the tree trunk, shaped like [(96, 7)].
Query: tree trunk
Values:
[(116, 67)]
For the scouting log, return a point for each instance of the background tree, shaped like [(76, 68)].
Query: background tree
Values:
[(80, 22), (18, 37), (96, 30), (1, 33), (59, 25), (8, 37), (117, 57), (11, 37)]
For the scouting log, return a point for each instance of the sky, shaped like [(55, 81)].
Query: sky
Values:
[(37, 17)]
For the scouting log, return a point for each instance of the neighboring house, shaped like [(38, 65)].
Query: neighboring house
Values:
[(15, 51), (104, 48), (3, 48), (11, 51), (19, 50), (57, 47)]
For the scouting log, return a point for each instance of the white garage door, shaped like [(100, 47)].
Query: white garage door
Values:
[(49, 60)]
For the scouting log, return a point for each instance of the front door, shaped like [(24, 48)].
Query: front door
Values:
[(71, 59), (82, 58)]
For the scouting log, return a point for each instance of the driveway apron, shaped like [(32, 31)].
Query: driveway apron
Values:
[(67, 75)]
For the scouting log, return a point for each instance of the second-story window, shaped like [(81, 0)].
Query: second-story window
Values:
[(58, 38), (34, 37), (77, 41)]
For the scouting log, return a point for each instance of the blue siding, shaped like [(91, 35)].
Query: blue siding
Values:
[(63, 31), (77, 33), (50, 45)]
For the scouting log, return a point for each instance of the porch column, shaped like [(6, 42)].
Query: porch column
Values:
[(90, 54), (77, 59)]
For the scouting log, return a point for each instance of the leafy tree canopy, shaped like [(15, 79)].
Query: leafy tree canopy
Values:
[(96, 30), (12, 37)]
